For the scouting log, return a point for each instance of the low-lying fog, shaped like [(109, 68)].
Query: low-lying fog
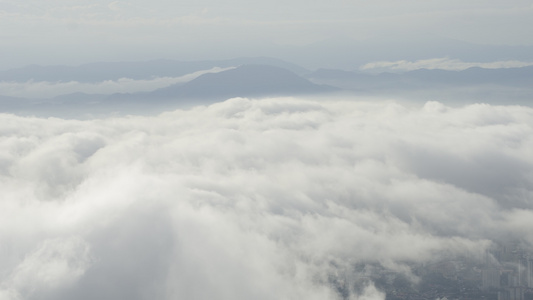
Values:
[(256, 199)]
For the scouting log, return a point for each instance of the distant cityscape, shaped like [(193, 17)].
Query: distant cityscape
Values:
[(505, 273)]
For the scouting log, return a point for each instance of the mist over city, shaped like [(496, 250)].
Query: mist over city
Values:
[(340, 150)]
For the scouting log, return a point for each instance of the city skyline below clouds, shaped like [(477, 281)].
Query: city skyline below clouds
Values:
[(67, 32)]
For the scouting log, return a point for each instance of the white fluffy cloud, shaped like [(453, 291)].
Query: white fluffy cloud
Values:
[(255, 199), (54, 264), (443, 63)]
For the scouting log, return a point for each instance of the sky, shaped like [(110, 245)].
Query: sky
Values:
[(256, 199), (74, 32)]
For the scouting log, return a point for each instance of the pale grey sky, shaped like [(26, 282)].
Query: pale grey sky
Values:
[(72, 32)]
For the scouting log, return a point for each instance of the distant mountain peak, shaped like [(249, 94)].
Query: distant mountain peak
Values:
[(249, 80)]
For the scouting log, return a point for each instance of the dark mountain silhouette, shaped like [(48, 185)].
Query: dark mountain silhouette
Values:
[(476, 75), (8, 104), (336, 74), (244, 81), (100, 71), (423, 78), (506, 86)]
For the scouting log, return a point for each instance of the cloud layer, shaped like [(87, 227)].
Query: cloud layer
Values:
[(46, 89), (444, 63), (256, 199)]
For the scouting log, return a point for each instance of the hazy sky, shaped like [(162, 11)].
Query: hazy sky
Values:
[(60, 31)]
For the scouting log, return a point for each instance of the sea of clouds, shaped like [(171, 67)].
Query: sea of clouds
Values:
[(256, 199)]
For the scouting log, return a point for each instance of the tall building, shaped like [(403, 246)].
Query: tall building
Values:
[(490, 278), (529, 272), (511, 293)]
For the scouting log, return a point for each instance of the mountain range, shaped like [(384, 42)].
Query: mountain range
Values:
[(256, 77), (101, 71), (243, 81), (425, 78)]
